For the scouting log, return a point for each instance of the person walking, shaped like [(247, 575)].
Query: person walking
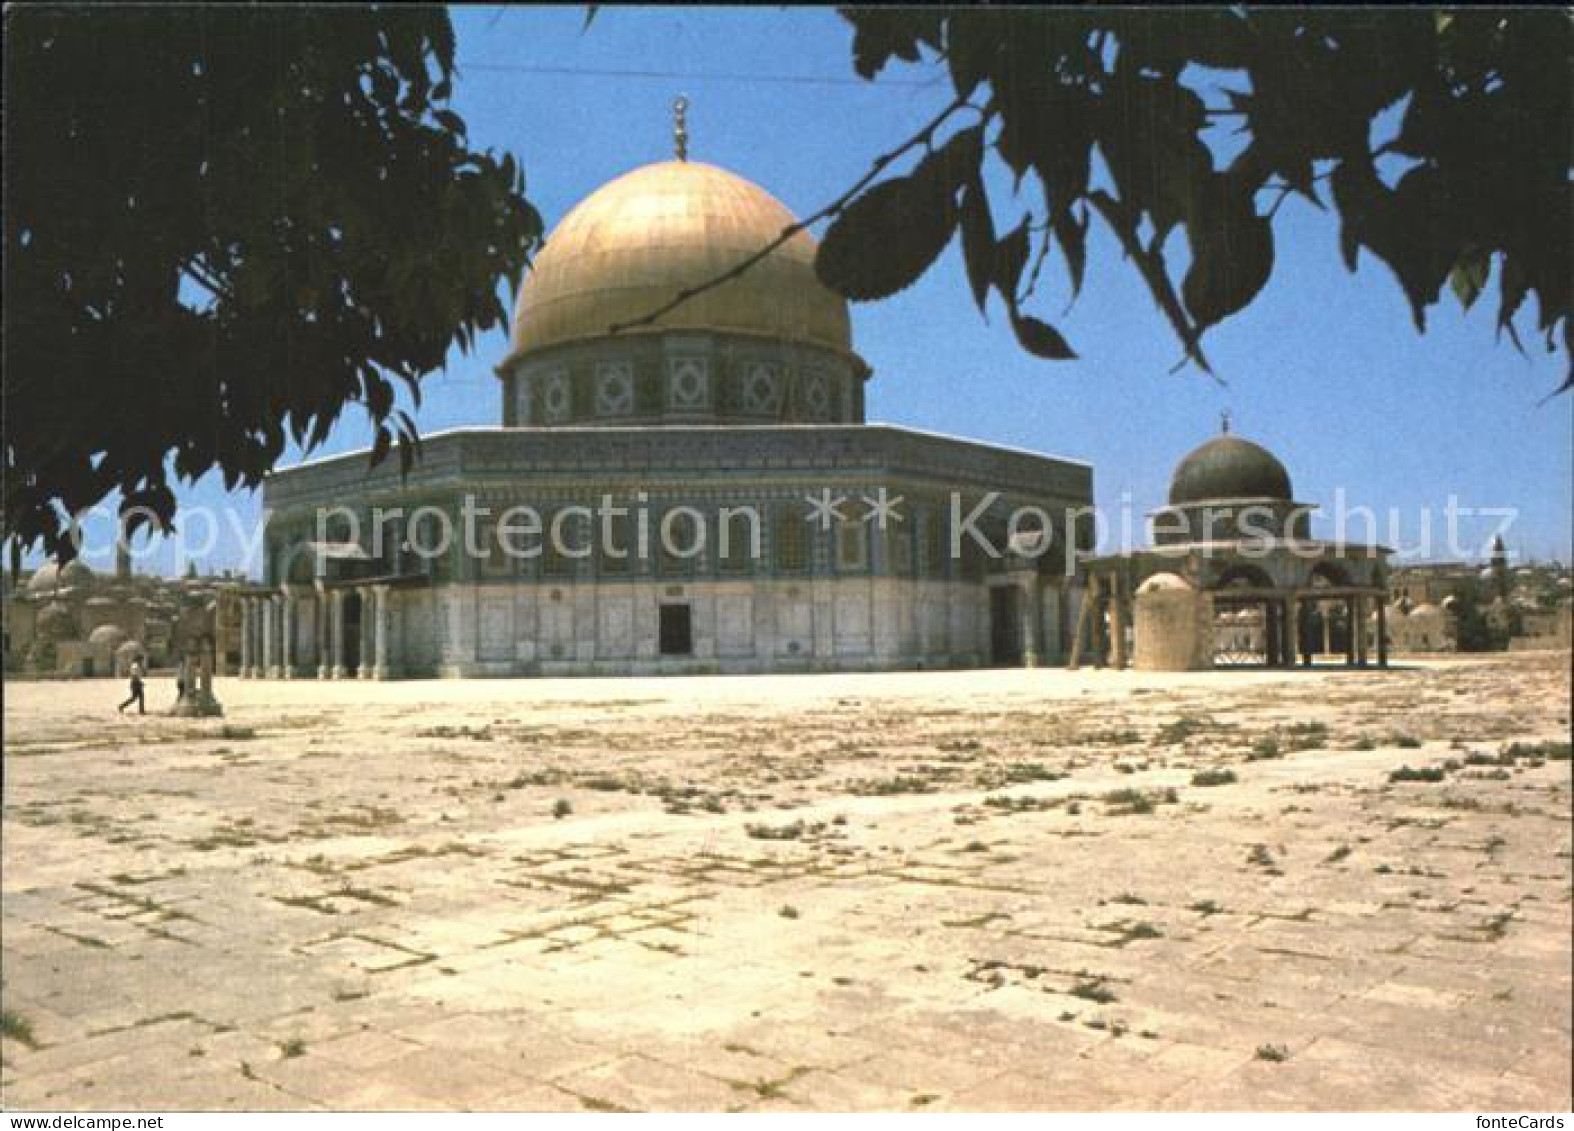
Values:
[(136, 689)]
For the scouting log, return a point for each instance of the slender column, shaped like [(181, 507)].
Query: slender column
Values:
[(1099, 627), (264, 612), (1062, 617), (253, 637), (337, 657), (288, 606), (1117, 623), (269, 658), (245, 637), (364, 638), (1029, 616), (1359, 628), (1292, 645), (253, 654), (265, 636), (270, 638), (1382, 633), (221, 636), (275, 617), (320, 637), (1079, 634), (1349, 636), (380, 667), (1328, 639)]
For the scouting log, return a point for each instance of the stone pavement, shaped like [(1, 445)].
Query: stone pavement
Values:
[(986, 890)]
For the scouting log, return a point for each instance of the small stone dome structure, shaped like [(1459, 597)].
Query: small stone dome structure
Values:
[(52, 576), (1172, 631), (107, 636), (1427, 628), (1165, 583)]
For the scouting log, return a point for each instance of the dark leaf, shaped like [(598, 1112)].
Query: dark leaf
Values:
[(970, 46), (1040, 338), (1010, 259), (880, 33), (978, 241), (886, 238), (1073, 238), (1232, 257)]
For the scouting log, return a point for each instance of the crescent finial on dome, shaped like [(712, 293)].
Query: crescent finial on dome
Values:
[(680, 127)]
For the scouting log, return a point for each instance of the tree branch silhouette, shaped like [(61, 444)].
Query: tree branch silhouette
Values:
[(923, 137)]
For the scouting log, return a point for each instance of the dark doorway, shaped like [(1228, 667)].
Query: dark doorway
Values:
[(677, 630), (1005, 626), (352, 633)]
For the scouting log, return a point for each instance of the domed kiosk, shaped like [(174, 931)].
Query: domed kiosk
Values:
[(1233, 578), (683, 482)]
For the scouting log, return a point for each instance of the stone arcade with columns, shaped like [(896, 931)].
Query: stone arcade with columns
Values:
[(800, 538)]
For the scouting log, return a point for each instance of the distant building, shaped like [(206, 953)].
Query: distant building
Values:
[(1526, 606), (70, 620)]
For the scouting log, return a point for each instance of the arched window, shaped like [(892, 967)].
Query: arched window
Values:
[(738, 538), (932, 543), (790, 534), (852, 546), (616, 545), (556, 551), (1329, 575), (1243, 577), (680, 539)]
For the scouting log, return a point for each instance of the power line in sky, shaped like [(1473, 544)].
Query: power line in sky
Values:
[(697, 76)]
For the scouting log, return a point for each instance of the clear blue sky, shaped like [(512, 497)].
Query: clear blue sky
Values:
[(1324, 368)]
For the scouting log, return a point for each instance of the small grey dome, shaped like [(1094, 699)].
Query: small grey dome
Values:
[(1228, 467)]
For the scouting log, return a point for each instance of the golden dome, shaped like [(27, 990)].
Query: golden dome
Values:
[(630, 247)]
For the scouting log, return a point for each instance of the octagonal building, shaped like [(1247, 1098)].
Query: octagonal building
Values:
[(672, 488)]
